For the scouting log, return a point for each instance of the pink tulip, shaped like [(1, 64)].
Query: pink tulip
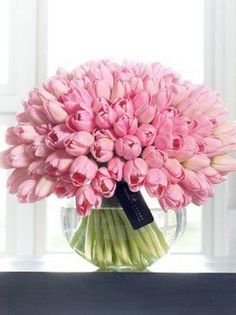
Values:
[(82, 170), (11, 137), (76, 98), (141, 100), (173, 170), (58, 163), (136, 85), (37, 167), (146, 134), (78, 143), (44, 187), (128, 147), (212, 146), (34, 109), (106, 116), (125, 125), (18, 156), (57, 85), (55, 111), (227, 128), (115, 167), (103, 183), (223, 164), (144, 110), (55, 138), (86, 199), (102, 89), (196, 162), (104, 133), (118, 90), (184, 147), (39, 147), (102, 149), (134, 173), (26, 133), (213, 176), (5, 161), (82, 120), (26, 191), (17, 177), (155, 182), (63, 189), (195, 181), (123, 107), (174, 197), (154, 157)]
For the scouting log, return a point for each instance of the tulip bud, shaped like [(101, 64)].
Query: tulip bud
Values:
[(128, 147), (55, 112), (223, 164), (196, 162)]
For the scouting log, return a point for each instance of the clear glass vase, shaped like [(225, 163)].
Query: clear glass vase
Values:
[(106, 239)]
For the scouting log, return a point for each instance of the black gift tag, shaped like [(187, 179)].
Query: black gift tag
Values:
[(134, 206)]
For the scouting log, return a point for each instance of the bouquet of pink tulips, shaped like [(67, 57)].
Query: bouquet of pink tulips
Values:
[(103, 123)]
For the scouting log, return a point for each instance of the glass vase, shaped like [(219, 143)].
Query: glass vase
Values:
[(106, 239)]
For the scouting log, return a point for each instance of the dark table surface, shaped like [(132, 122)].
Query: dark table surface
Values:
[(36, 293)]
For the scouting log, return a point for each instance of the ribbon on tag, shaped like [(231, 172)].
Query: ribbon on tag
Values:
[(134, 206)]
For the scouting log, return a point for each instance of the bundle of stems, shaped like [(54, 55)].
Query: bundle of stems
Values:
[(106, 238)]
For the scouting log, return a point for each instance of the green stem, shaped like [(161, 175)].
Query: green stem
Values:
[(108, 259)]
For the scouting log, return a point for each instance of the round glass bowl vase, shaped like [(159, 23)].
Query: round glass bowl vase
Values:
[(106, 239)]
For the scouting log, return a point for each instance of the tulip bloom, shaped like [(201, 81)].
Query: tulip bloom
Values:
[(82, 170), (173, 170), (123, 107), (55, 138), (134, 173), (18, 156), (128, 147), (76, 99), (104, 133), (125, 125), (44, 187), (26, 133), (58, 163), (55, 112), (118, 91), (146, 134), (115, 167), (82, 120), (102, 149), (223, 164), (5, 159), (64, 189), (57, 85), (78, 143), (86, 199), (11, 137), (196, 162), (155, 182), (174, 197), (144, 110), (106, 116), (26, 191), (195, 181), (153, 157), (212, 175), (17, 177), (103, 183), (37, 167)]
